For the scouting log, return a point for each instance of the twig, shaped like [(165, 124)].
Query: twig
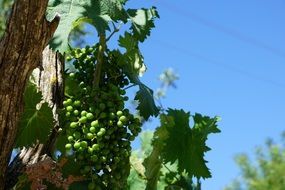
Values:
[(100, 56), (130, 86), (116, 29)]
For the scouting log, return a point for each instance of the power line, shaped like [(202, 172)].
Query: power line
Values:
[(218, 63), (235, 34)]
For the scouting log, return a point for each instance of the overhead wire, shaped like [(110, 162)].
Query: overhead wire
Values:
[(225, 66), (234, 33)]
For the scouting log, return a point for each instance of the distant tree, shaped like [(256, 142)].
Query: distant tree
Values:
[(267, 171)]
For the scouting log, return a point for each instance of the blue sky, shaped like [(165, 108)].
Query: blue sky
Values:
[(230, 57)]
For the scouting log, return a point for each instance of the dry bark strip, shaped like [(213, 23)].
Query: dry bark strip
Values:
[(49, 81), (21, 47)]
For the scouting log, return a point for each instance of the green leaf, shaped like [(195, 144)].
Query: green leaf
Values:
[(146, 104), (69, 12), (35, 123), (135, 182), (142, 22), (128, 42), (75, 12), (145, 142), (132, 62), (179, 142), (152, 166)]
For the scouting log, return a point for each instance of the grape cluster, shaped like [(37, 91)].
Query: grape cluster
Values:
[(98, 126)]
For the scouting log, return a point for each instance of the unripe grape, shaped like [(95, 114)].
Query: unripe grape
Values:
[(92, 129), (67, 114), (83, 113), (71, 75), (83, 119), (69, 108), (120, 124), (89, 135), (119, 113), (73, 124), (96, 147), (95, 123), (70, 138), (89, 116), (68, 146), (84, 144), (76, 145), (123, 119), (76, 112)]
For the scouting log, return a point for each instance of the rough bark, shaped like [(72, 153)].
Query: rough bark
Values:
[(49, 80), (21, 47)]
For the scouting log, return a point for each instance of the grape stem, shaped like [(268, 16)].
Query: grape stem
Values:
[(97, 73), (116, 29), (130, 86)]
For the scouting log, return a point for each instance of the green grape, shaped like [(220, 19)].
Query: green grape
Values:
[(100, 134), (67, 114), (95, 147), (95, 123), (89, 136), (90, 150), (73, 124), (71, 75), (77, 145), (123, 119), (69, 108), (70, 138), (92, 129), (83, 113), (68, 146), (67, 102), (84, 144), (89, 116), (83, 119), (103, 130), (119, 113), (76, 112), (120, 124)]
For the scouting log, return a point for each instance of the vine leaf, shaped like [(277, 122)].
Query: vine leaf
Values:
[(152, 166), (133, 66), (69, 11), (186, 145), (146, 104), (142, 22), (35, 123)]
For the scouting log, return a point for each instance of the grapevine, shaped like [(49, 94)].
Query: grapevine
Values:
[(99, 128)]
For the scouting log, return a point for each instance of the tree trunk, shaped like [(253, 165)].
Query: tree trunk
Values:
[(49, 81), (21, 47)]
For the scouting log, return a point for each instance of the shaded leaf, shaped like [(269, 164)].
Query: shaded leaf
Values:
[(179, 142), (36, 123)]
